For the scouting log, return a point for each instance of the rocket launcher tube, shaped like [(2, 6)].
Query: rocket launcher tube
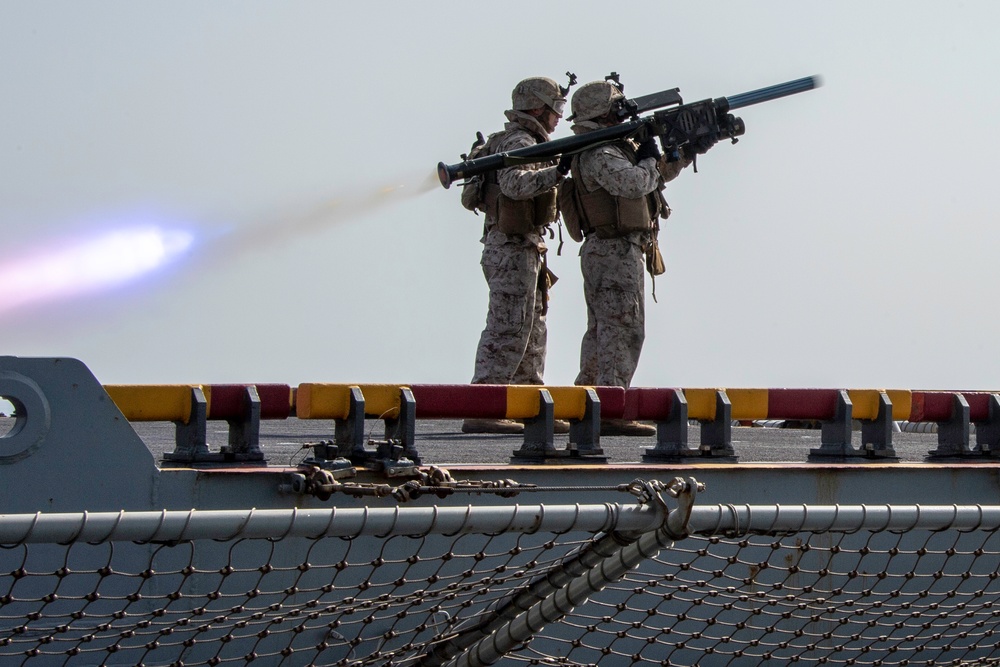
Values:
[(548, 150), (639, 129), (771, 93)]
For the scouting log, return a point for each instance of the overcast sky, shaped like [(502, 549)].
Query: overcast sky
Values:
[(288, 148)]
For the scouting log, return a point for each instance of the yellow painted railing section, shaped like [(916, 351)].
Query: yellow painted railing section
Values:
[(567, 402), (153, 402), (316, 400)]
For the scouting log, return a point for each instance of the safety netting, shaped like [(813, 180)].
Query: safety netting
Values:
[(521, 583)]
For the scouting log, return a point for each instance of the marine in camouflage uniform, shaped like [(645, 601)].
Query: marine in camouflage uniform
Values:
[(621, 182), (512, 346)]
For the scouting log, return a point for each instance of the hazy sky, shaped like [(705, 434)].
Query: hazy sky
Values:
[(848, 240)]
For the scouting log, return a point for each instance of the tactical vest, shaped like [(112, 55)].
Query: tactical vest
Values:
[(608, 216), (515, 216)]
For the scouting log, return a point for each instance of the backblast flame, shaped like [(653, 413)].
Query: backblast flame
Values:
[(108, 260)]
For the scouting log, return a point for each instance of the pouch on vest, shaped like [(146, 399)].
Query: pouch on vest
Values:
[(472, 195), (525, 216), (472, 189), (614, 216), (570, 209), (618, 216), (654, 259)]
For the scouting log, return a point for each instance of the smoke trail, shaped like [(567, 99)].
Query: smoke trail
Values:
[(342, 208)]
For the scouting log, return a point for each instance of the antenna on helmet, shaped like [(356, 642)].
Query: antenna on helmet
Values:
[(572, 82), (615, 77), (624, 107)]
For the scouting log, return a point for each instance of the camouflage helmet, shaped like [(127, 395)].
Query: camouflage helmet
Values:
[(538, 92), (594, 99)]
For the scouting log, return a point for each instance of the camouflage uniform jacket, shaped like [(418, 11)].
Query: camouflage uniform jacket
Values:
[(608, 167), (521, 181)]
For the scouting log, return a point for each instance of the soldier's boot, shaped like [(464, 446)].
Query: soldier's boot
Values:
[(492, 426), (626, 427), (559, 426)]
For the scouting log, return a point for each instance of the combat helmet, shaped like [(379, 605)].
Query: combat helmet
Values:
[(594, 99), (538, 92)]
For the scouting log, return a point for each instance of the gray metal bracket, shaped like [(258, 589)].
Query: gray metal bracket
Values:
[(953, 435), (717, 435), (389, 455), (672, 434), (403, 428), (836, 433), (191, 439), (539, 446), (988, 432), (349, 433), (538, 431), (244, 432), (876, 434), (585, 434)]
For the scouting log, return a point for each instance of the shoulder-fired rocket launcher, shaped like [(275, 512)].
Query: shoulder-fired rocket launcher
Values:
[(676, 126)]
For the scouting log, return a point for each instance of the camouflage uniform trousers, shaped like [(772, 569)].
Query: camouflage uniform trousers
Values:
[(512, 346), (613, 285)]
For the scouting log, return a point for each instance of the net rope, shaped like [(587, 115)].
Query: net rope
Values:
[(748, 586)]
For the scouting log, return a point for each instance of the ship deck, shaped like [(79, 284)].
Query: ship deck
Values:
[(441, 442)]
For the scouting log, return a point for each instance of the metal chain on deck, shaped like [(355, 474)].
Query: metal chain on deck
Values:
[(435, 481)]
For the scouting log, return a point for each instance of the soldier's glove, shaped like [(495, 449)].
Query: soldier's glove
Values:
[(564, 164), (648, 148), (698, 147)]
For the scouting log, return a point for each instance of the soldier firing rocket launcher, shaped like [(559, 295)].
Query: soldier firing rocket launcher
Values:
[(676, 126)]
